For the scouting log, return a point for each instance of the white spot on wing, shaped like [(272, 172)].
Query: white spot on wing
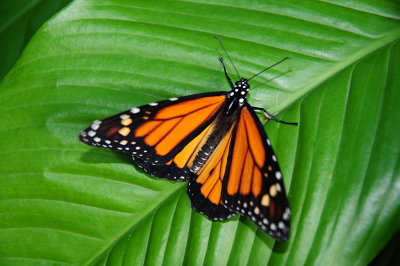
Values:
[(286, 214), (281, 225), (95, 126), (278, 175), (135, 110), (273, 227)]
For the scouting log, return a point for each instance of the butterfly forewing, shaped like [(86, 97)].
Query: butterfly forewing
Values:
[(253, 184), (209, 168), (155, 133)]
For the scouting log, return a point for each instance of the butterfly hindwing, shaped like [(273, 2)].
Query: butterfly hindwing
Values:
[(205, 189), (210, 166), (253, 185), (155, 133), (167, 171)]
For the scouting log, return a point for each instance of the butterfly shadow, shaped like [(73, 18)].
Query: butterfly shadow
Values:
[(96, 156)]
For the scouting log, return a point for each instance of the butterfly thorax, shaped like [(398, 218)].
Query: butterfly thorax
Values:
[(237, 96)]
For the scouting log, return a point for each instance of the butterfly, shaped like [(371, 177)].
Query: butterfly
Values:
[(213, 140)]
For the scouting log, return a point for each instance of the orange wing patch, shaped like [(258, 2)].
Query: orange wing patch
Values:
[(188, 154), (172, 124), (248, 158), (186, 107), (213, 171)]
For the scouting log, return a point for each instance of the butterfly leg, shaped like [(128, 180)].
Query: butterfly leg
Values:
[(270, 116), (226, 74)]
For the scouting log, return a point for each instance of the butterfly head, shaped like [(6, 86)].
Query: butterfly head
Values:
[(240, 90)]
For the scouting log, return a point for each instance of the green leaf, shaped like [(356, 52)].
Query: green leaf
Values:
[(19, 20), (62, 202)]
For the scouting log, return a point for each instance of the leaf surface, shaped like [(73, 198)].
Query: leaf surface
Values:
[(62, 202)]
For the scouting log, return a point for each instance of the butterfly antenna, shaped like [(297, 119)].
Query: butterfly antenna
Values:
[(223, 48), (271, 66), (275, 77)]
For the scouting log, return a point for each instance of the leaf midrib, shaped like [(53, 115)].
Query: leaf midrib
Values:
[(124, 230), (337, 68)]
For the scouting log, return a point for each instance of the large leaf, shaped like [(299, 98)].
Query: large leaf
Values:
[(19, 20), (66, 203)]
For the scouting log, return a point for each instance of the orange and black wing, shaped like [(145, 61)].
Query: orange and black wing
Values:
[(253, 186), (242, 176), (205, 189), (162, 137)]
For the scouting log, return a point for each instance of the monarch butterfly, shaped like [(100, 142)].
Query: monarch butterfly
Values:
[(213, 140)]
